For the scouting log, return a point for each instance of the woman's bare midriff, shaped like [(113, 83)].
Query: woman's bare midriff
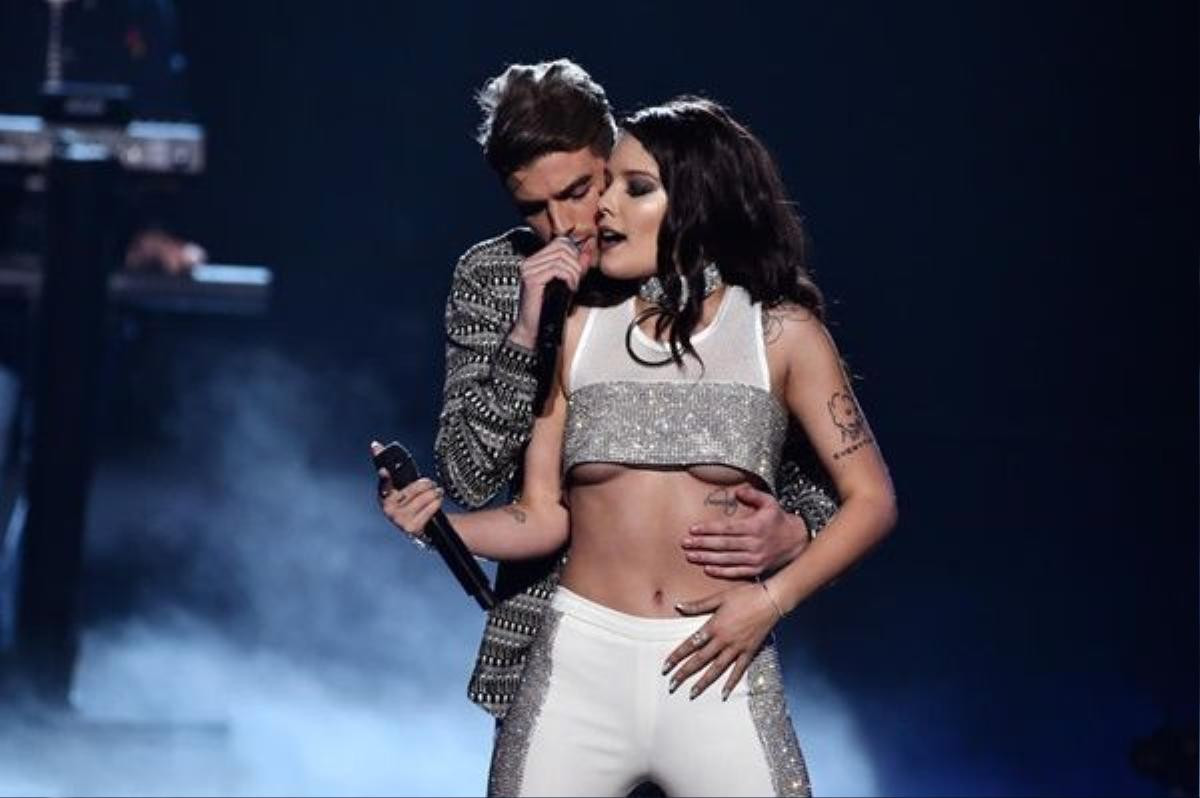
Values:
[(627, 525)]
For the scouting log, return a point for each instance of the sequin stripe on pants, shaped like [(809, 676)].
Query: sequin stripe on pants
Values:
[(594, 716)]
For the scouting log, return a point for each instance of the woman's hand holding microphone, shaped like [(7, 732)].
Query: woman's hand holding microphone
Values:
[(411, 507)]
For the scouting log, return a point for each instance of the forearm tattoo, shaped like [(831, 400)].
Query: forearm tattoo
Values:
[(516, 512), (847, 416), (724, 499)]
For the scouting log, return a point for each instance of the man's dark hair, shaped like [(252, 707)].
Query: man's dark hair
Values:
[(530, 110)]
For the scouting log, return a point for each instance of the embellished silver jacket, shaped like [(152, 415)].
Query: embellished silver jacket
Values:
[(486, 419)]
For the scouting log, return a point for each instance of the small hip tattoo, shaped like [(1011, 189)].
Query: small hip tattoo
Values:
[(724, 499)]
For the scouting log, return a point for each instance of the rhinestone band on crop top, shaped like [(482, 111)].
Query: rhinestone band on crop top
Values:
[(676, 423)]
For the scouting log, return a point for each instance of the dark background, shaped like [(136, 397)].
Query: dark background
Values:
[(1002, 201)]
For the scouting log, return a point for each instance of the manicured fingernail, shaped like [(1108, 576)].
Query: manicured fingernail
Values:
[(692, 556), (692, 695), (672, 687), (666, 667), (681, 606), (689, 541), (725, 694), (693, 527)]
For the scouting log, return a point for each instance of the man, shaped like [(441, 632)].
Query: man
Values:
[(547, 132)]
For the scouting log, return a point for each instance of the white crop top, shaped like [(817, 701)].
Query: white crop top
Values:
[(718, 413)]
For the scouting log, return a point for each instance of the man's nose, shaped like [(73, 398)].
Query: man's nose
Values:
[(561, 223), (604, 204)]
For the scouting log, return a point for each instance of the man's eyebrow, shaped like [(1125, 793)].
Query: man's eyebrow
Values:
[(639, 173), (576, 184)]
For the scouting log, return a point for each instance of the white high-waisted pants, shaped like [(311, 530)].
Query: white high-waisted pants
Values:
[(593, 715)]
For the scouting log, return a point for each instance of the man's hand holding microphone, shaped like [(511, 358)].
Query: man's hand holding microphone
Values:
[(558, 260), (548, 279)]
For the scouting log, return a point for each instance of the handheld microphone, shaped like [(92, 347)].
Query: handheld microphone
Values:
[(556, 301), (403, 471)]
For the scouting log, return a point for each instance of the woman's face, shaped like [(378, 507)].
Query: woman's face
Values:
[(631, 211)]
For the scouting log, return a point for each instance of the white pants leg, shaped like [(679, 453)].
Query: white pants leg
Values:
[(593, 716)]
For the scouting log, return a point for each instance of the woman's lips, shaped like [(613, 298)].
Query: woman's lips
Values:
[(609, 239)]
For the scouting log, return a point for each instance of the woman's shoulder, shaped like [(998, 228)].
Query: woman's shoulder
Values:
[(799, 349), (791, 323), (797, 335)]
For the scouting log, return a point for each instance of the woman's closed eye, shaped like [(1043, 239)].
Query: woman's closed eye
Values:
[(640, 186)]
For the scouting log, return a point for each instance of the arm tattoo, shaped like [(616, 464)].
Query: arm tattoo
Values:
[(724, 499), (846, 415), (516, 512), (844, 411)]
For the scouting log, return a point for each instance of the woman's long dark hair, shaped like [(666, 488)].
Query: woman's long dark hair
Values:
[(725, 203)]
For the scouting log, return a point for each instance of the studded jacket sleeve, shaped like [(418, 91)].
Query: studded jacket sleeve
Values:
[(487, 403)]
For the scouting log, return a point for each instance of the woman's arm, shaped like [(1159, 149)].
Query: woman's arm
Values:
[(533, 526), (818, 394), (536, 524)]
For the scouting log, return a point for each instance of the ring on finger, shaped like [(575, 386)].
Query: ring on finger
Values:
[(699, 638)]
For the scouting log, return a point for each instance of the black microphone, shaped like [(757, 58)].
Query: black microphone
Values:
[(556, 301), (403, 471)]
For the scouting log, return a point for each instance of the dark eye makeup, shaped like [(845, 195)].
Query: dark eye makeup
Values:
[(639, 186)]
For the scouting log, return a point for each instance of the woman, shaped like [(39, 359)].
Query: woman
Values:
[(670, 410)]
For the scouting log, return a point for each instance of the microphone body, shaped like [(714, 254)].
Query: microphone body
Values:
[(459, 560), (556, 301)]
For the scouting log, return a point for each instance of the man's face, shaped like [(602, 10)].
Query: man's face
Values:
[(557, 194)]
